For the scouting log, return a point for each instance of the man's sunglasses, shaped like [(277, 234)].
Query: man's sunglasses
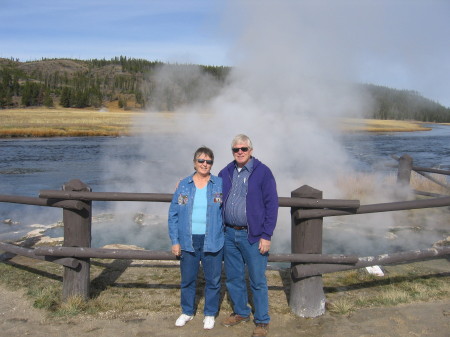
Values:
[(236, 149), (201, 161)]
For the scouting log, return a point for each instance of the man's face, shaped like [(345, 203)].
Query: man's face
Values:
[(242, 157)]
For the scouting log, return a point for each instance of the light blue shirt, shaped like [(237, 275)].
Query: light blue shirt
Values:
[(180, 215), (199, 211)]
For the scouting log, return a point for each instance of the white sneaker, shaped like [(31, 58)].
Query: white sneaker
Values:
[(183, 319), (208, 322)]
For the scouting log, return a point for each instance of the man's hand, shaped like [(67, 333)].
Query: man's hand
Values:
[(176, 250), (264, 246)]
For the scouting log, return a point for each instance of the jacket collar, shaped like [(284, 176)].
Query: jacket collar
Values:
[(232, 165), (212, 178)]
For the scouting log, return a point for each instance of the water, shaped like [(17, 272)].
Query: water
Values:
[(427, 148), (30, 165)]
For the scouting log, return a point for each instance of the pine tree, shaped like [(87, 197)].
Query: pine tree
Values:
[(48, 100), (66, 97)]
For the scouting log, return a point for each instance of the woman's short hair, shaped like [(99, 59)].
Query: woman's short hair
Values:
[(241, 139), (204, 150)]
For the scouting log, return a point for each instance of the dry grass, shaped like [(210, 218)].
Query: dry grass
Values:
[(421, 183), (40, 122), (123, 289), (363, 186), (377, 125), (360, 186), (415, 282), (112, 121), (62, 122)]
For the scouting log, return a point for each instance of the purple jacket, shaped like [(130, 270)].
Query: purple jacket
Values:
[(262, 199)]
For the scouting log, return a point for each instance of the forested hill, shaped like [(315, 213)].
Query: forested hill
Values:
[(137, 83), (405, 105)]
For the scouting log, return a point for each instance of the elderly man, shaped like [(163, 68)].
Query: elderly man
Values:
[(250, 216)]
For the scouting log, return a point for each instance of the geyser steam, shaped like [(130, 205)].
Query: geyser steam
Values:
[(292, 79)]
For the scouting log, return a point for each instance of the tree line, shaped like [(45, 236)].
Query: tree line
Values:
[(405, 105), (97, 81), (92, 83)]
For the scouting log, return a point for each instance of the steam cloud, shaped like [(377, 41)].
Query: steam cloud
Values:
[(292, 79)]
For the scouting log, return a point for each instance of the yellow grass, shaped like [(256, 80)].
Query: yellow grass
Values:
[(378, 125), (362, 186), (112, 121), (42, 122), (421, 183)]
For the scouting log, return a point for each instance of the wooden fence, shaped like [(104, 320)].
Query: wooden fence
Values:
[(308, 209)]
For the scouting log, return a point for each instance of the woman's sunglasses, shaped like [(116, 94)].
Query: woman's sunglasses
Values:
[(201, 161)]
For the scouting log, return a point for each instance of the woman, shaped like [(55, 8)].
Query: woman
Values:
[(196, 232)]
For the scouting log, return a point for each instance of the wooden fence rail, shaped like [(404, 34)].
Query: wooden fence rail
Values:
[(166, 197), (405, 167), (434, 180), (374, 208), (29, 252), (308, 270), (71, 204), (134, 254)]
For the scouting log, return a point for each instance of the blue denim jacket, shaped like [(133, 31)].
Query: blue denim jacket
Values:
[(180, 215)]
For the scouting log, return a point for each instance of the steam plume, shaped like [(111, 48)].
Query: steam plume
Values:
[(291, 81)]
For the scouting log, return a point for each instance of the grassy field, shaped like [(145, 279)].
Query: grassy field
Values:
[(377, 125), (41, 122), (112, 121)]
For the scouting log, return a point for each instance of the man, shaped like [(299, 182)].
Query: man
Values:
[(250, 216)]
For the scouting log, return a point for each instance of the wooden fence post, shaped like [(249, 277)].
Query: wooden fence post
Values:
[(405, 164), (77, 233), (307, 298)]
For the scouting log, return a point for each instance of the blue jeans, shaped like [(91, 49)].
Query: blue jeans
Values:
[(212, 269), (238, 253)]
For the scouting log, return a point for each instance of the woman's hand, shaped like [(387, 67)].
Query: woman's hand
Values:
[(176, 250)]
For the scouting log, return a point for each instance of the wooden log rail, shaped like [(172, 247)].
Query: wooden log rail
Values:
[(437, 182), (105, 196), (134, 254), (405, 166), (429, 194), (29, 252), (424, 169), (374, 208), (431, 170), (167, 197), (71, 204), (301, 271)]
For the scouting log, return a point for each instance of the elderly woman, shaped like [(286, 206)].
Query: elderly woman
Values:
[(197, 235)]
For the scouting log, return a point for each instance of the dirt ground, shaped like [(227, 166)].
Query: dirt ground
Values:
[(19, 318)]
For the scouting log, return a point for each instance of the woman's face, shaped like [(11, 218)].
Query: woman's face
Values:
[(203, 168)]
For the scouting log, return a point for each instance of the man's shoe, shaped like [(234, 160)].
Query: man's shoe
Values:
[(183, 319), (208, 322), (234, 319), (261, 330)]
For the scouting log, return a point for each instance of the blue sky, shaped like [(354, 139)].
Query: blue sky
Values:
[(165, 30), (402, 44)]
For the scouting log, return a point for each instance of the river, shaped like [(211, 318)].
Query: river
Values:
[(30, 165)]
